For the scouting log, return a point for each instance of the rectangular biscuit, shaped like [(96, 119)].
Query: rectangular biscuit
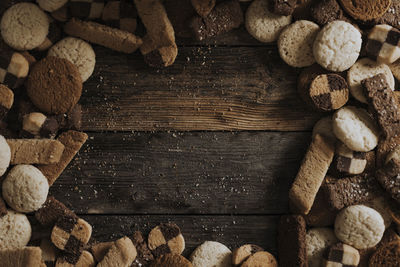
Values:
[(73, 141), (312, 172), (51, 211), (27, 257), (99, 250), (144, 255), (35, 151), (121, 253)]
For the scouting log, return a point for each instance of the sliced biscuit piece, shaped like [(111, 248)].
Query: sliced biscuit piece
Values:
[(166, 238), (171, 260), (86, 9), (341, 255), (85, 259), (383, 44), (121, 253), (261, 259), (388, 177), (21, 257), (240, 254), (366, 10), (388, 255), (120, 14), (6, 100), (51, 211), (348, 161), (37, 124)]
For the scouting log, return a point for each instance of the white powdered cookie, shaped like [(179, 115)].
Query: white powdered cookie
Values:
[(5, 155), (15, 230), (211, 253), (363, 69), (317, 241), (51, 5), (24, 26), (262, 24), (79, 52), (359, 226), (296, 41), (25, 188), (337, 46), (355, 128)]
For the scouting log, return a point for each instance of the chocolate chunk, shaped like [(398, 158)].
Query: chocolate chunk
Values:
[(51, 211)]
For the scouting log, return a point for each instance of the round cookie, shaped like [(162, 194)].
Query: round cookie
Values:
[(337, 46), (366, 10), (240, 254), (25, 188), (355, 128), (171, 260), (387, 255), (366, 68), (166, 238), (5, 155), (262, 24), (324, 127), (57, 93), (296, 41), (317, 240), (359, 226), (51, 5), (15, 230), (24, 26), (261, 259), (78, 52), (211, 253)]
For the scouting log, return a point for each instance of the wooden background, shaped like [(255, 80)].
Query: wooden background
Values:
[(211, 143)]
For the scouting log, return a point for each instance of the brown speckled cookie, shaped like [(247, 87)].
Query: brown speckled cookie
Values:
[(366, 10), (171, 260), (392, 15), (240, 254), (388, 255), (166, 238)]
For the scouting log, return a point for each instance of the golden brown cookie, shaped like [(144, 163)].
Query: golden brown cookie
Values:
[(366, 10), (261, 259), (171, 260), (241, 254), (121, 253)]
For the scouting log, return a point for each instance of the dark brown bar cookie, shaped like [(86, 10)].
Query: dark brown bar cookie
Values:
[(388, 177), (388, 255), (51, 211), (166, 238)]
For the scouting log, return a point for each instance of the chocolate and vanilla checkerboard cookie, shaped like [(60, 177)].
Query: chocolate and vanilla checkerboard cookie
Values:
[(348, 161), (120, 14), (14, 67), (240, 254), (341, 255), (383, 44), (86, 9), (166, 238)]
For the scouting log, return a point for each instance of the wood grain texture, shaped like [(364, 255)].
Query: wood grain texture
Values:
[(178, 173)]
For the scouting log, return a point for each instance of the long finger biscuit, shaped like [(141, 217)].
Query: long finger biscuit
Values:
[(6, 100), (341, 255), (120, 14), (166, 238), (348, 161), (51, 211), (121, 253), (383, 44), (21, 257), (240, 254), (311, 174)]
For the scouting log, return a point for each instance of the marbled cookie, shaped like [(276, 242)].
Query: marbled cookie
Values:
[(383, 44), (21, 257), (261, 259), (348, 161), (341, 255), (211, 253), (203, 7), (166, 238), (86, 9), (366, 10), (240, 254), (171, 260), (318, 240), (121, 253), (120, 14), (6, 100), (15, 230), (85, 259)]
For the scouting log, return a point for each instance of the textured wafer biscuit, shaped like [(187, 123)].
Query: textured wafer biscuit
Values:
[(388, 255), (35, 151), (171, 260), (295, 43), (21, 257), (121, 253), (6, 100), (73, 141), (383, 103), (15, 230), (96, 33), (86, 9), (283, 7), (292, 246), (348, 161), (52, 37), (341, 255), (366, 10), (261, 259), (14, 67), (211, 253), (311, 174), (39, 125), (120, 14), (51, 211), (166, 238), (240, 254), (85, 259), (388, 177), (144, 256), (326, 11), (318, 240), (383, 44), (224, 17), (203, 7)]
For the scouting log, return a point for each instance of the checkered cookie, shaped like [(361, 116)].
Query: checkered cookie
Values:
[(14, 67), (120, 14), (383, 44), (341, 255), (166, 238), (70, 234), (348, 161), (86, 9)]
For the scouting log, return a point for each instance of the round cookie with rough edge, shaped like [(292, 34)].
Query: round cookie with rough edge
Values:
[(5, 155), (211, 253), (337, 46), (262, 24), (24, 26), (240, 254), (317, 241), (359, 226), (54, 85), (25, 188), (171, 260), (295, 43), (366, 68), (15, 230), (355, 128), (261, 259), (366, 10), (78, 52), (51, 5), (388, 255)]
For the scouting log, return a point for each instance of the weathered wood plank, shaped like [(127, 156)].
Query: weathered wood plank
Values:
[(193, 172), (206, 89)]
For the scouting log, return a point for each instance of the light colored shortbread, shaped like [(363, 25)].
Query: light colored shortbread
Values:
[(24, 26), (355, 128), (296, 41), (359, 226), (337, 46), (51, 5), (262, 24), (79, 52), (211, 253), (5, 155), (324, 127), (317, 241), (363, 69), (15, 230)]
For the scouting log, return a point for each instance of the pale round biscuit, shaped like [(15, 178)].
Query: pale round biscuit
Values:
[(366, 68), (324, 127), (79, 52), (5, 155), (296, 41), (15, 230), (262, 24), (356, 129), (359, 226), (337, 46), (25, 188), (51, 5), (317, 240), (211, 253), (24, 26)]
